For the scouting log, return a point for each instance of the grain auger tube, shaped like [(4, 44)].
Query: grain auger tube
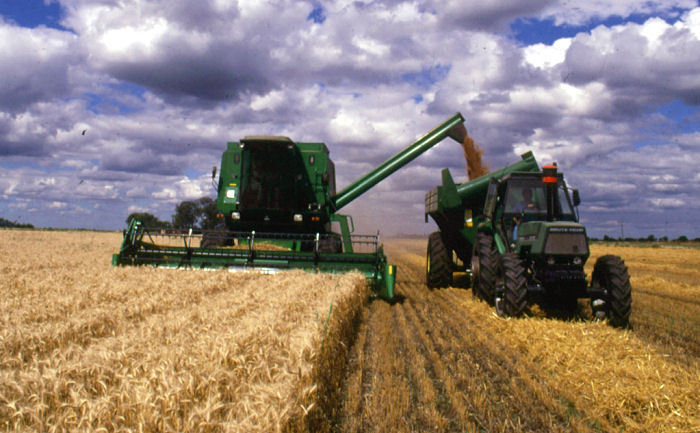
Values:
[(277, 205), (516, 231)]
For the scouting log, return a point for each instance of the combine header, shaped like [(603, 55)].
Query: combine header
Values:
[(277, 204)]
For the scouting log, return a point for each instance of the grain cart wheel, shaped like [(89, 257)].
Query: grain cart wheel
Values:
[(484, 267), (438, 268), (475, 275), (512, 301), (610, 272)]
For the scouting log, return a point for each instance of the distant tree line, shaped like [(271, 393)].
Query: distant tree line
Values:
[(650, 238), (14, 224), (197, 214)]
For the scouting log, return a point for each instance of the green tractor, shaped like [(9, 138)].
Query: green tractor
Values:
[(278, 209), (517, 232)]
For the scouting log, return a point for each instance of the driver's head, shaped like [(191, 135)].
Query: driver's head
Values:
[(527, 194)]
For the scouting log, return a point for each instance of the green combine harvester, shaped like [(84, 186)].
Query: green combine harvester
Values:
[(278, 209), (517, 232)]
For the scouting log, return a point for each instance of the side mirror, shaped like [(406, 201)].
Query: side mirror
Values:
[(213, 172), (577, 198)]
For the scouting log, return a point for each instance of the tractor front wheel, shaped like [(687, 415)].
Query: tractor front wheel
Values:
[(512, 301), (484, 267), (610, 273), (438, 267)]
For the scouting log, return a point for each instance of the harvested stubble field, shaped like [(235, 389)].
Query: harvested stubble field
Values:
[(441, 361), (88, 347)]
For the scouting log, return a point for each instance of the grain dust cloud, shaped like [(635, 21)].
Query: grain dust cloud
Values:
[(472, 153)]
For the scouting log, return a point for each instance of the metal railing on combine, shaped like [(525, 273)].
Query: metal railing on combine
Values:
[(264, 252), (217, 248)]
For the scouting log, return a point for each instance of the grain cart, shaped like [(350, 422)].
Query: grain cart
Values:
[(516, 231), (277, 203)]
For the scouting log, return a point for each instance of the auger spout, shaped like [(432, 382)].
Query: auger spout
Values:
[(452, 127)]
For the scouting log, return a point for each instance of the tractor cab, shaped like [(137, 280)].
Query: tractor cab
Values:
[(527, 196), (536, 216)]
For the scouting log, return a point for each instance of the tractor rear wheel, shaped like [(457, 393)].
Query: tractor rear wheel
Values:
[(484, 267), (610, 272), (513, 301), (438, 268)]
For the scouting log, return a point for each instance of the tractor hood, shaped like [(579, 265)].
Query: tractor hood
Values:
[(547, 238)]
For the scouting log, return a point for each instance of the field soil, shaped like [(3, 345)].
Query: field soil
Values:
[(442, 361)]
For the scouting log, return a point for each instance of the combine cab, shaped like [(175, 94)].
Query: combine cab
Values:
[(278, 207)]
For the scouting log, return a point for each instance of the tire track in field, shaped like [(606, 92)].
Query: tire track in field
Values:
[(668, 297), (455, 376), (527, 391), (506, 380), (669, 322), (672, 326), (438, 397), (463, 369)]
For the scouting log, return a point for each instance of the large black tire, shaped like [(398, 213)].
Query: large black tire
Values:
[(438, 266), (513, 301), (484, 267), (610, 272)]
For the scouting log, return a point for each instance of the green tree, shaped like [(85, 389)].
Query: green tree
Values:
[(208, 211), (14, 224), (200, 213), (147, 219), (186, 214)]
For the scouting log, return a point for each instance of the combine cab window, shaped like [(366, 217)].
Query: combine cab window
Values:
[(269, 174)]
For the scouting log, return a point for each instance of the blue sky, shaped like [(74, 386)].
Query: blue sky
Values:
[(107, 109)]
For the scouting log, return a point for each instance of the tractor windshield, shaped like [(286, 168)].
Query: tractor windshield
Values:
[(526, 196)]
